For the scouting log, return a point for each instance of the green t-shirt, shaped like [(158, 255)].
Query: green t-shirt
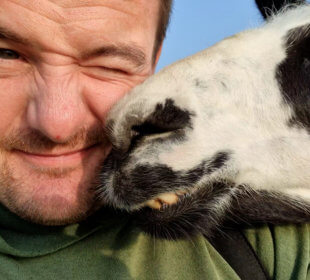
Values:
[(109, 246)]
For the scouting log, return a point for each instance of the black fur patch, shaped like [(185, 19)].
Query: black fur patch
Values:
[(293, 75), (166, 117), (144, 182), (257, 207), (217, 162), (269, 7)]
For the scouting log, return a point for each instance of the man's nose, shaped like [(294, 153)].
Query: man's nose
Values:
[(56, 107)]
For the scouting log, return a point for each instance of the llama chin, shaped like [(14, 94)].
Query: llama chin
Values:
[(221, 137)]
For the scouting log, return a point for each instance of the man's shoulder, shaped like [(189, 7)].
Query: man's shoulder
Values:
[(283, 250)]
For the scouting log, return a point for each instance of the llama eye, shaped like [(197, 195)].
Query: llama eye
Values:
[(8, 54)]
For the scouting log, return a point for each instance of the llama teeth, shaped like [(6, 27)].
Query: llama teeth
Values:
[(163, 201), (154, 204), (168, 198)]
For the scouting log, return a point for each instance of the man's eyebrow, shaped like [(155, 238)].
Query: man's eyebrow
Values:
[(12, 36), (128, 52)]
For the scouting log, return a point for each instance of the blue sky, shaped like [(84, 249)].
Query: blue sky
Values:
[(198, 24)]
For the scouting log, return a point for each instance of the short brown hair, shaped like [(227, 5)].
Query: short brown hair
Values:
[(163, 22)]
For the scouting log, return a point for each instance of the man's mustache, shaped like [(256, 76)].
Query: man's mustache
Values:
[(34, 141)]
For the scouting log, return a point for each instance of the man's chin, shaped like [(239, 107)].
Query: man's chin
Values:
[(49, 199), (53, 213), (52, 220)]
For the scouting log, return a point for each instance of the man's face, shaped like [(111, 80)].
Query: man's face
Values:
[(63, 64)]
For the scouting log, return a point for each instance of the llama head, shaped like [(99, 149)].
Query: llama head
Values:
[(237, 112)]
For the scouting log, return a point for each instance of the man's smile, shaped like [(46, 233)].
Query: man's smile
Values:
[(69, 158)]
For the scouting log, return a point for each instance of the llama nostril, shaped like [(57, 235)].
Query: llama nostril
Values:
[(148, 129), (167, 117), (166, 121)]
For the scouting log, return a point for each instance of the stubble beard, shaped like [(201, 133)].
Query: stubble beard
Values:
[(35, 211), (14, 196)]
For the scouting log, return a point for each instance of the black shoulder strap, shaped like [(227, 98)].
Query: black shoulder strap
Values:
[(236, 250)]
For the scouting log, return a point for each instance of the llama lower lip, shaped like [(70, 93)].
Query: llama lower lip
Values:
[(69, 159)]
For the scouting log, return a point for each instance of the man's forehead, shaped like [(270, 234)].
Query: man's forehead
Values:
[(85, 3), (67, 12), (63, 9)]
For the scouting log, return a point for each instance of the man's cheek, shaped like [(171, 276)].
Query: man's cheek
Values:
[(14, 96), (102, 95)]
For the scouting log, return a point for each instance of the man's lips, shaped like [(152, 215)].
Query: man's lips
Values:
[(58, 159)]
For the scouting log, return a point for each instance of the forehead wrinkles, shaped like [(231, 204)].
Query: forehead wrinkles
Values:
[(46, 9), (66, 11), (62, 18), (123, 6)]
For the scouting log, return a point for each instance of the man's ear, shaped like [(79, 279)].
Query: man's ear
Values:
[(270, 7), (157, 56)]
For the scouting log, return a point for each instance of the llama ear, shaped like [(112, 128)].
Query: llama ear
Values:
[(269, 7)]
